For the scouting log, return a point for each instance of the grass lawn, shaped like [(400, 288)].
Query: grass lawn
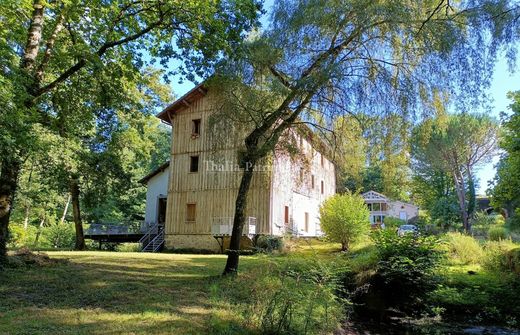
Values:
[(115, 293)]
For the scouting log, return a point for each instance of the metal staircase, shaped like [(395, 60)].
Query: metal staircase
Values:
[(153, 240)]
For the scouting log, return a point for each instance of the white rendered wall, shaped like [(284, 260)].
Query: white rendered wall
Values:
[(156, 187)]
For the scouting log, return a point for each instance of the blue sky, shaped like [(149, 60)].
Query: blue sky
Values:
[(503, 82)]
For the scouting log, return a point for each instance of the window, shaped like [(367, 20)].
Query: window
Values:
[(301, 141), (369, 207), (322, 187), (286, 215), (194, 163), (191, 212), (376, 206), (301, 174), (306, 222), (322, 160), (195, 128), (312, 182)]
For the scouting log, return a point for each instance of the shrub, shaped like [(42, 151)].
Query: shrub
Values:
[(499, 256), (129, 247), (344, 219), (406, 267), (298, 297), (269, 243), (497, 233), (17, 236), (445, 213), (391, 223), (59, 235), (464, 248)]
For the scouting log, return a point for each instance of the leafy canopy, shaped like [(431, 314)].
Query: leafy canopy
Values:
[(344, 219)]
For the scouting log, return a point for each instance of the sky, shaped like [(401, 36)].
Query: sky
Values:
[(503, 82)]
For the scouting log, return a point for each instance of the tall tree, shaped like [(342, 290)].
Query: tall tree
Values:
[(44, 45), (457, 144), (338, 57), (506, 184)]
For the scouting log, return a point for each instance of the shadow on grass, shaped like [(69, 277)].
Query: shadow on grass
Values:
[(113, 294)]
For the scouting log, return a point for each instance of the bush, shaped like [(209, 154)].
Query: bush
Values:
[(18, 236), (269, 243), (298, 297), (464, 248), (406, 267), (59, 235), (497, 233), (129, 247), (445, 213), (344, 219), (391, 223), (499, 256)]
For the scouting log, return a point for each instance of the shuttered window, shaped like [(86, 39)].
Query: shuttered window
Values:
[(191, 212), (286, 214)]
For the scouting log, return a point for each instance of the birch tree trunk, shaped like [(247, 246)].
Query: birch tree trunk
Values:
[(26, 218), (65, 210), (40, 227)]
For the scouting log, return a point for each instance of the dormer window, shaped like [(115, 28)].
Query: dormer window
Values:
[(195, 128)]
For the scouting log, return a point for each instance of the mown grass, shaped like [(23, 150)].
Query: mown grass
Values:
[(115, 293)]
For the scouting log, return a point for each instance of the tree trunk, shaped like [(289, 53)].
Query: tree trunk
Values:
[(26, 218), (472, 197), (8, 182), (65, 210), (40, 227), (34, 37), (238, 220), (461, 194), (74, 192)]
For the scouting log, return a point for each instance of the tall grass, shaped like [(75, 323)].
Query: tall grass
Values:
[(463, 248)]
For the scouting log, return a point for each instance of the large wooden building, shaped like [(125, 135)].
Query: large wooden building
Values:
[(204, 176)]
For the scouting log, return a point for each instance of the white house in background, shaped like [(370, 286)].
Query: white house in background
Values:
[(156, 194), (380, 207)]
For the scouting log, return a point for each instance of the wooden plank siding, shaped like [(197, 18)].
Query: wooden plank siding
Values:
[(212, 190), (291, 180)]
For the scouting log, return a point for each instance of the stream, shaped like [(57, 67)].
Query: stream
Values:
[(357, 327)]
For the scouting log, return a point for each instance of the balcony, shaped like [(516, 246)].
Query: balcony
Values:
[(223, 226)]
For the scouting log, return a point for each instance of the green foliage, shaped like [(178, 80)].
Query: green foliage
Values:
[(463, 248), (506, 183), (445, 213), (497, 233), (391, 222), (453, 145), (344, 219), (296, 297), (406, 265), (129, 247), (496, 258), (269, 243), (59, 235)]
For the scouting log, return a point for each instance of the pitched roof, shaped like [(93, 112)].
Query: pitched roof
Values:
[(374, 195), (183, 102), (160, 169)]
